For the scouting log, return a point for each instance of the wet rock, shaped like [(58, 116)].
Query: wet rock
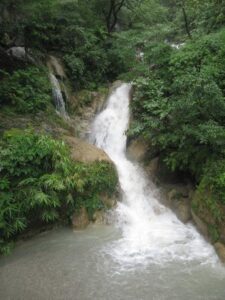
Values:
[(152, 167), (99, 217), (108, 201), (84, 106), (80, 219), (56, 67), (180, 205), (220, 250), (115, 85), (98, 102), (85, 152), (201, 226), (179, 191), (183, 210), (137, 149), (179, 201)]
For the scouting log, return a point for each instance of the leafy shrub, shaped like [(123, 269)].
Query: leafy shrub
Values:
[(75, 66), (214, 180), (88, 62), (39, 183), (183, 113), (209, 199), (26, 91)]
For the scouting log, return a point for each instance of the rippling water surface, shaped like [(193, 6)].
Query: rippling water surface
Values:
[(77, 265)]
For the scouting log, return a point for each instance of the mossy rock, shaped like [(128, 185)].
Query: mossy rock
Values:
[(209, 212)]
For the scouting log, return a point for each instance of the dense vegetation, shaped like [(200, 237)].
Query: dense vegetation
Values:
[(179, 106), (172, 50), (25, 91), (39, 183)]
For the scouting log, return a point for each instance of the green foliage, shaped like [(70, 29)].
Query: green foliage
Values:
[(206, 15), (179, 108), (87, 63), (39, 183), (85, 33), (213, 232), (25, 91), (183, 112), (209, 199), (214, 179)]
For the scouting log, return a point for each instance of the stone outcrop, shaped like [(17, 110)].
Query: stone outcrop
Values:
[(220, 250), (201, 226), (182, 210), (85, 152), (137, 149), (84, 106), (20, 54), (80, 219), (152, 168), (99, 217), (56, 67), (180, 203), (108, 201)]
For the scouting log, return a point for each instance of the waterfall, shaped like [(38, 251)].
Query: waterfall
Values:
[(149, 230), (57, 96)]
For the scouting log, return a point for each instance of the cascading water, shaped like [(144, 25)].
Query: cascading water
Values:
[(150, 231), (57, 96)]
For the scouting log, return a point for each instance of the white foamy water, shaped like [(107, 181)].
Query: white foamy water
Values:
[(58, 97), (150, 231)]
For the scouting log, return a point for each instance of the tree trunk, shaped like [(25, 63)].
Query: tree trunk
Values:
[(186, 21), (112, 15)]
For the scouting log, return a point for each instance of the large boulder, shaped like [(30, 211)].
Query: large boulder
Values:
[(80, 219), (99, 217), (21, 54), (137, 149), (220, 250), (152, 168), (85, 152), (183, 210), (109, 201), (200, 224), (180, 203)]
